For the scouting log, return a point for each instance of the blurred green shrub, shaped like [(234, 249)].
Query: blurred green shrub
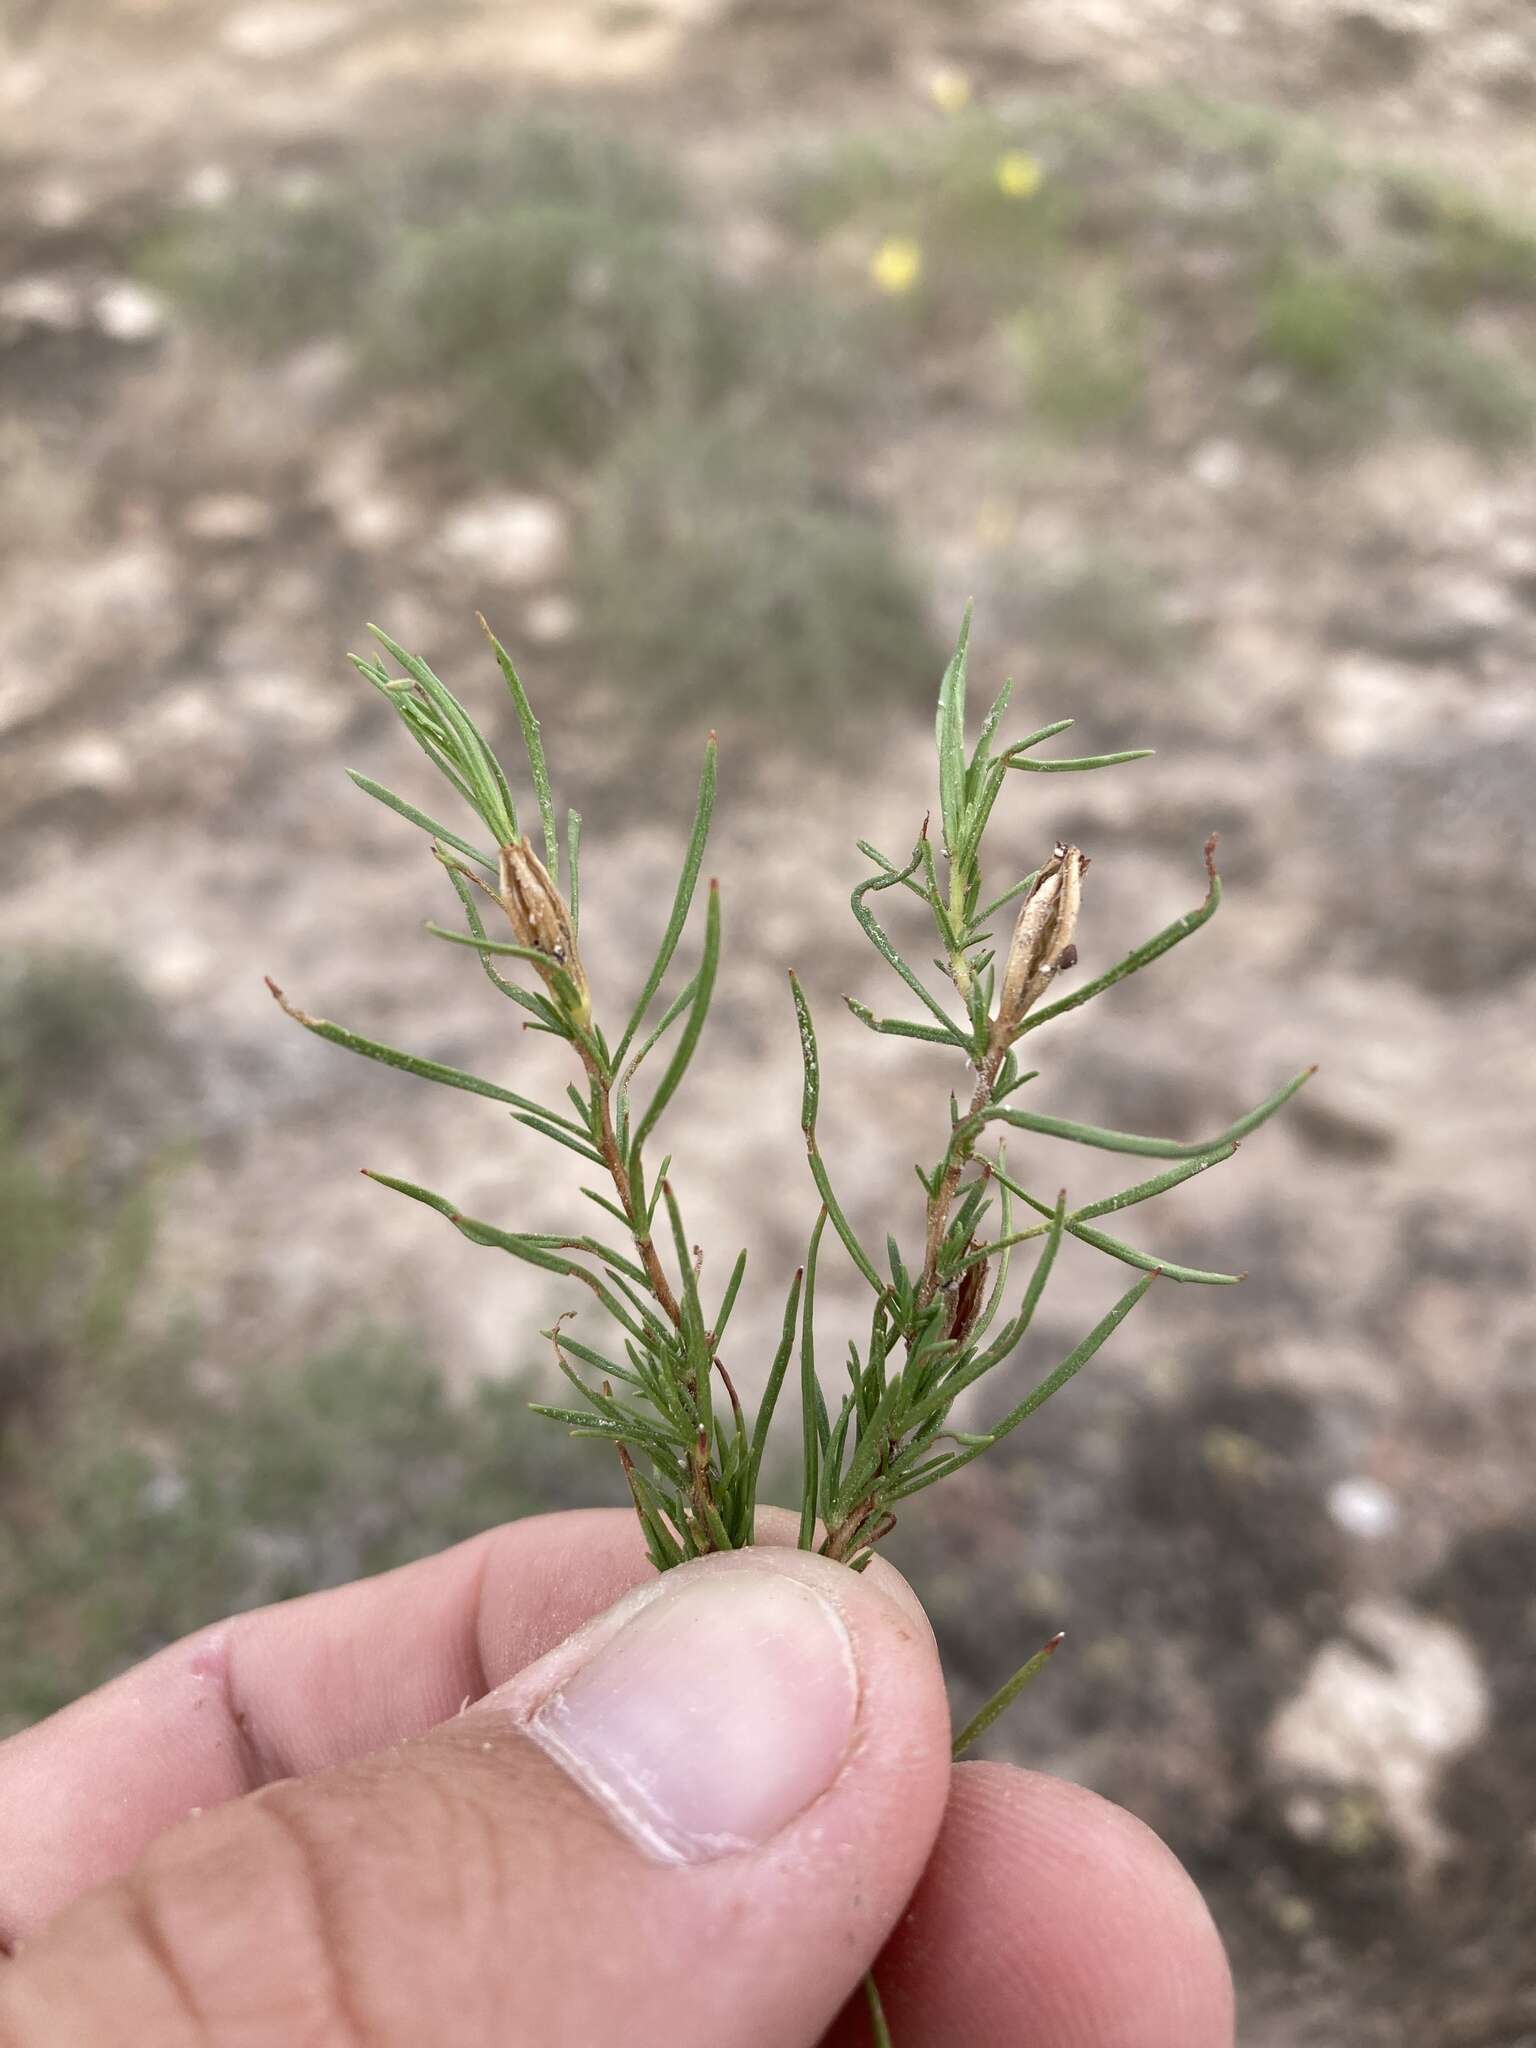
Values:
[(145, 1501), (719, 564), (1111, 249), (142, 1492), (535, 285)]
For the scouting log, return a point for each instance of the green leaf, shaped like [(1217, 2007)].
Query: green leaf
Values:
[(704, 988), (687, 882), (728, 1299), (1004, 1697), (547, 1128), (424, 730), (809, 1102), (949, 732), (882, 945), (898, 1027), (811, 1413), (1150, 1148), (1142, 956), (1159, 1185), (475, 760), (880, 2032), (775, 1382), (524, 998), (573, 866), (408, 1063), (989, 725), (398, 804), (1052, 1384), (534, 747), (1077, 766), (1127, 1254)]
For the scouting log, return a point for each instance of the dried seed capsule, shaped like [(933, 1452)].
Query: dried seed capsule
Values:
[(1042, 939), (540, 920)]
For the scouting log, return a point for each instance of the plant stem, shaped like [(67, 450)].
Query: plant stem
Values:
[(943, 1196), (613, 1159)]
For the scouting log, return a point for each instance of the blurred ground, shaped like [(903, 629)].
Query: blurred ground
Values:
[(719, 352)]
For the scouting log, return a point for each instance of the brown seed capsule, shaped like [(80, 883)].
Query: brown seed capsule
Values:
[(1042, 939), (541, 922)]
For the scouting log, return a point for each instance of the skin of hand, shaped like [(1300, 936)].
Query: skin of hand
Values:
[(527, 1792)]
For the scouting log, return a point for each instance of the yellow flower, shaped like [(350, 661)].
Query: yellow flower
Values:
[(949, 89), (896, 265), (1019, 176)]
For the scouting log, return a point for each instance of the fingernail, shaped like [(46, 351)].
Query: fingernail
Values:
[(714, 1716)]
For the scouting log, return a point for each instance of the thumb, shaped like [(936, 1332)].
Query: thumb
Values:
[(695, 1820)]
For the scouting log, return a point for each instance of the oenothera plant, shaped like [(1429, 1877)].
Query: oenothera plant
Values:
[(942, 1317)]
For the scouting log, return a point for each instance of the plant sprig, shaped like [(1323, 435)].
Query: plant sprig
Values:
[(657, 1390)]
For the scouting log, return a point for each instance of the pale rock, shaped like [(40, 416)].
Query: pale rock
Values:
[(1387, 1723), (1363, 1507), (221, 518), (1218, 464), (283, 28), (508, 538), (210, 186), (550, 619), (58, 204), (127, 312), (55, 304), (91, 760)]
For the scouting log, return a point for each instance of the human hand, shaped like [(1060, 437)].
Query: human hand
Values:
[(698, 1819)]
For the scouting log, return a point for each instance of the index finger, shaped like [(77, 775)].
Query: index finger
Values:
[(287, 1690)]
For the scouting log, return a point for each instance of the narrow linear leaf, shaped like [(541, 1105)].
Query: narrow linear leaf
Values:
[(949, 733), (534, 746), (1005, 1696), (898, 1027), (1140, 956), (717, 1328), (1074, 767), (774, 1385), (812, 1414), (874, 932), (1052, 1384), (388, 798), (524, 998), (880, 2032), (1151, 1148), (687, 1044), (573, 866), (407, 1063), (809, 1103), (693, 860), (1158, 1185), (1127, 1254)]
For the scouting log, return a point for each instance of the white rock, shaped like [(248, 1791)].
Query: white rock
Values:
[(92, 760), (1387, 1724), (210, 186), (1217, 464), (1364, 1508), (127, 312), (284, 28), (56, 304), (221, 517), (58, 204), (508, 538), (550, 618)]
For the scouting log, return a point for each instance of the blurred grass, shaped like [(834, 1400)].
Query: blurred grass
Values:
[(721, 561), (1111, 251), (547, 304), (144, 1490)]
